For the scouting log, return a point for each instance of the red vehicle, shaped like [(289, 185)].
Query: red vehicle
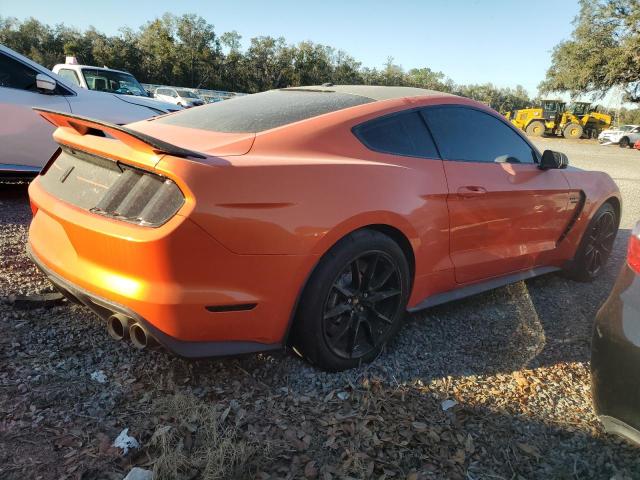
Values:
[(312, 216), (637, 145)]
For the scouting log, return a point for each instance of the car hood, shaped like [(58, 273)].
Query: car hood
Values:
[(612, 130), (165, 107), (203, 141)]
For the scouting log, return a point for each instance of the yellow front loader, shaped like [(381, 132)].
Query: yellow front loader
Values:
[(551, 118), (592, 121)]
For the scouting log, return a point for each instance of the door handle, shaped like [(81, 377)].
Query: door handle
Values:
[(471, 191)]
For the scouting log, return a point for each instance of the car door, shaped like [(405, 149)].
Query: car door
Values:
[(504, 211), (25, 137)]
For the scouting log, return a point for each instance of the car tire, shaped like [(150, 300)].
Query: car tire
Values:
[(573, 130), (595, 246), (624, 142), (353, 303), (535, 129)]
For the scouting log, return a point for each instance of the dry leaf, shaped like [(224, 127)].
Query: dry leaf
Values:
[(310, 470)]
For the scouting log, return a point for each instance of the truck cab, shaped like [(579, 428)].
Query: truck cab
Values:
[(108, 80)]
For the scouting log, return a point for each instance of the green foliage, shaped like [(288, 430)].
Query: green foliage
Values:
[(603, 52), (186, 51), (628, 116)]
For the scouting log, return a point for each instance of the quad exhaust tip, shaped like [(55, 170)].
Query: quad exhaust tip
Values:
[(118, 326), (121, 327), (140, 337)]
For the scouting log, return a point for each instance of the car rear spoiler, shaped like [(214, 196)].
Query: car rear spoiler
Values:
[(84, 126)]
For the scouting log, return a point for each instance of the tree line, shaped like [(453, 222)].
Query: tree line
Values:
[(187, 51)]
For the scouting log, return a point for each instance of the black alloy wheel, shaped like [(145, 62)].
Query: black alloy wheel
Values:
[(361, 304), (353, 303), (600, 243), (596, 245)]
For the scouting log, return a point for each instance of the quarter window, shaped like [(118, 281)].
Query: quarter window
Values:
[(471, 135), (400, 134)]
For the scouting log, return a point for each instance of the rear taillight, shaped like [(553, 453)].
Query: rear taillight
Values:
[(112, 189), (633, 254), (141, 197)]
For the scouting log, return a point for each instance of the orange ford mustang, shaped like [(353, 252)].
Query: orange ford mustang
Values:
[(314, 217)]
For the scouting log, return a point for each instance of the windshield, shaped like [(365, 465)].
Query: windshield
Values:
[(626, 128), (187, 94), (113, 82), (580, 108)]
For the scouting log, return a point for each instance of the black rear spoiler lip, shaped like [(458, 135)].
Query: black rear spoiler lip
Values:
[(157, 144)]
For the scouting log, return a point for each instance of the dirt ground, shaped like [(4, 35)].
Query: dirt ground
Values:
[(494, 386)]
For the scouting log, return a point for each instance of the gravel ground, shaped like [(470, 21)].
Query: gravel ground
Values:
[(494, 386)]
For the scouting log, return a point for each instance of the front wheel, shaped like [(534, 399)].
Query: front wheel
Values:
[(624, 142), (573, 130), (596, 245), (354, 302), (535, 129)]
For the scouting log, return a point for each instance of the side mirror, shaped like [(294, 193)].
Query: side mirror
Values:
[(45, 83), (551, 159)]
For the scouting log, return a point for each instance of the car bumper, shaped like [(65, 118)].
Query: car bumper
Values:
[(104, 308), (615, 361), (195, 296)]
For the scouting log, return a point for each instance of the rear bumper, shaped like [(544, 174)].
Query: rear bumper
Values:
[(615, 358), (195, 296), (105, 308)]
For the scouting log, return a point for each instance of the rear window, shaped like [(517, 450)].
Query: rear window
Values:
[(263, 111)]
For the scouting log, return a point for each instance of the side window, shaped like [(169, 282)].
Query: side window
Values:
[(70, 75), (14, 74), (474, 136), (173, 93), (399, 134)]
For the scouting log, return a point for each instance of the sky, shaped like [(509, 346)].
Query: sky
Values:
[(471, 41)]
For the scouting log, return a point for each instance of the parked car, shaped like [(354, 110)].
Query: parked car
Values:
[(307, 216), (27, 143), (178, 96), (103, 79), (615, 353), (625, 136)]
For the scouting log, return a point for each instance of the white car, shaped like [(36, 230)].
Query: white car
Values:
[(25, 137), (625, 136), (178, 96)]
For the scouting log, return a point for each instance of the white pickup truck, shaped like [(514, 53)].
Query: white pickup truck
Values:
[(103, 79)]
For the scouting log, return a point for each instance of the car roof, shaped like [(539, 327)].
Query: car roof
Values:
[(93, 67), (375, 92)]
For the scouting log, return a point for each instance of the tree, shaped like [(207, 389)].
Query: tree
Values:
[(603, 52), (197, 48)]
